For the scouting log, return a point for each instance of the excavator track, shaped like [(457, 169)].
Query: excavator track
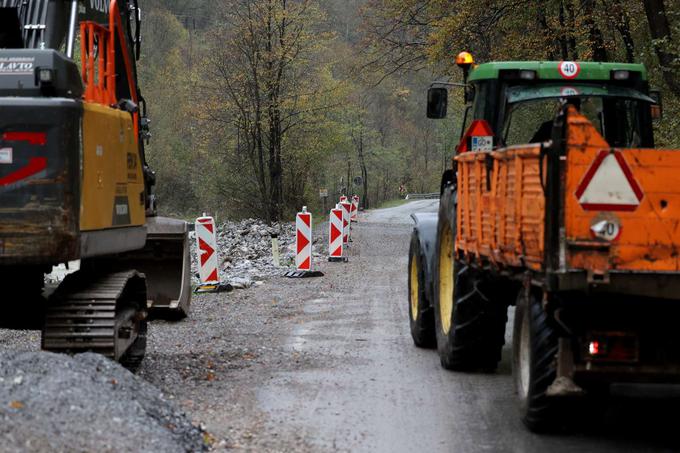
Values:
[(98, 312)]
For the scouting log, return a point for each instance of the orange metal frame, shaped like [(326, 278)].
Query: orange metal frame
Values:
[(98, 53), (501, 215)]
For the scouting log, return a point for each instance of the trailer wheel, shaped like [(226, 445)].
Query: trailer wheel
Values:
[(421, 317), (470, 325), (534, 362)]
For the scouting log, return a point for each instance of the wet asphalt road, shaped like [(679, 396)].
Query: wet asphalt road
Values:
[(327, 364), (372, 390)]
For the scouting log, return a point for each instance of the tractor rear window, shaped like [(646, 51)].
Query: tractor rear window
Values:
[(523, 93), (531, 121)]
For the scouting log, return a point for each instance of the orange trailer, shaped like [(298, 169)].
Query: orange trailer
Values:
[(502, 208)]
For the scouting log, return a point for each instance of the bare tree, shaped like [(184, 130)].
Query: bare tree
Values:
[(660, 30), (257, 66)]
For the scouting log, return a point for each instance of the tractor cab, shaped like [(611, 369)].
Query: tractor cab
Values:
[(518, 101)]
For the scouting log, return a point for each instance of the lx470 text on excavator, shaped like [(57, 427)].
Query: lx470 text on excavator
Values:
[(558, 202), (74, 182)]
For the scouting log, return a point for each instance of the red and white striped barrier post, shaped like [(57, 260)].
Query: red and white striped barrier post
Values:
[(346, 213), (343, 198), (335, 236), (303, 241), (303, 247), (206, 240), (355, 208)]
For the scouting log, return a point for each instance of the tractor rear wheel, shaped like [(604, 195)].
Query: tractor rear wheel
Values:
[(534, 364), (421, 316), (470, 321)]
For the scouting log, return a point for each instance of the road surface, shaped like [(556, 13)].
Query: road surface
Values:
[(376, 392), (327, 364)]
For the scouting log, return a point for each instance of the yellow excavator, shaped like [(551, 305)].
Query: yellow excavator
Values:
[(75, 184)]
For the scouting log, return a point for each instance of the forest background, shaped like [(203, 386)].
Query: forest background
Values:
[(256, 105)]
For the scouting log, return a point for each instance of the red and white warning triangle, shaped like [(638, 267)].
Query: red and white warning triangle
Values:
[(609, 185)]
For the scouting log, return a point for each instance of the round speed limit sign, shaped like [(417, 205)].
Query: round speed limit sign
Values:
[(569, 69), (606, 229)]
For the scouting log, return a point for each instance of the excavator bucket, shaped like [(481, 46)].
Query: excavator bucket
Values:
[(166, 263), (168, 266)]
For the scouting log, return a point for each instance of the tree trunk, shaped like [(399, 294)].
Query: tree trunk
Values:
[(661, 31), (547, 33), (571, 36), (364, 170), (364, 174), (564, 44), (595, 38), (622, 23)]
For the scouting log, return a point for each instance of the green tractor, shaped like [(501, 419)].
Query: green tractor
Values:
[(549, 205)]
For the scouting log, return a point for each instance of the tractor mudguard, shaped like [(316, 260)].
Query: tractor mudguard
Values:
[(426, 230)]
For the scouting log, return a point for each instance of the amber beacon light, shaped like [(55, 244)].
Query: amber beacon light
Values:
[(464, 60)]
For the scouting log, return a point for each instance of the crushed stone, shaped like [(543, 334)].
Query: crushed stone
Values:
[(245, 251), (53, 402)]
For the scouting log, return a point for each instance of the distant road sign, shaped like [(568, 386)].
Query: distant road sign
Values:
[(323, 193)]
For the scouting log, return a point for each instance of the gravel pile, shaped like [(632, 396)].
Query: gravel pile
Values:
[(51, 402), (245, 251)]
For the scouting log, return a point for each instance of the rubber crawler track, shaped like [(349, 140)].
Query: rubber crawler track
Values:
[(81, 315)]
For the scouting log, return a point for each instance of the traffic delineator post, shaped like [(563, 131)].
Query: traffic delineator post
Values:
[(303, 246), (355, 208), (346, 214), (303, 241), (335, 236), (206, 241), (343, 198)]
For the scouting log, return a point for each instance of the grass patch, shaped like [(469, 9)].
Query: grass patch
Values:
[(393, 203)]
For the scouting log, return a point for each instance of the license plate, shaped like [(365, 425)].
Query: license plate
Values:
[(482, 143), (5, 156)]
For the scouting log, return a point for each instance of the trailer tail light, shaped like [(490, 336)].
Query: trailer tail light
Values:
[(33, 138), (612, 347), (594, 348)]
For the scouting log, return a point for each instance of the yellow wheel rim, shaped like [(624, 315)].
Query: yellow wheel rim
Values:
[(414, 288), (446, 282)]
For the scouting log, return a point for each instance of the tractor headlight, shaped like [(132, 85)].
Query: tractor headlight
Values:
[(527, 75), (621, 75)]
